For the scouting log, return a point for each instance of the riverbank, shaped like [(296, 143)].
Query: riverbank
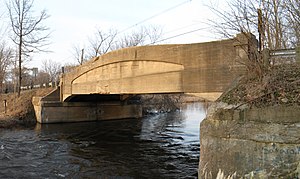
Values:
[(19, 111), (253, 130)]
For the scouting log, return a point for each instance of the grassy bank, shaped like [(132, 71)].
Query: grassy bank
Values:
[(19, 111), (279, 86)]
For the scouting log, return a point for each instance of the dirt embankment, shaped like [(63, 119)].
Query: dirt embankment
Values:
[(19, 110)]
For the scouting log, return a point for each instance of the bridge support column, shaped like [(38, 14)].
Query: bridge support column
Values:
[(58, 112)]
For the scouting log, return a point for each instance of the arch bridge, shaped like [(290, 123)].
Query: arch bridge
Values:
[(87, 92)]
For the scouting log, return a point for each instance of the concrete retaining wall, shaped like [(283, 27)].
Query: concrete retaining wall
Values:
[(258, 142)]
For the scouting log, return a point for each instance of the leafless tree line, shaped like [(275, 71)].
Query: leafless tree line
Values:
[(277, 20), (276, 23), (30, 35), (103, 41), (5, 57)]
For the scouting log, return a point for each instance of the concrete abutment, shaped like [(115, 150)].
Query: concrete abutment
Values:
[(49, 109), (259, 142)]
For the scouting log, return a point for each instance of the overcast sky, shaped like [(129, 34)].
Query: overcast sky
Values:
[(72, 22)]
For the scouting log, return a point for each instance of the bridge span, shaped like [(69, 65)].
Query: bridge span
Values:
[(182, 68)]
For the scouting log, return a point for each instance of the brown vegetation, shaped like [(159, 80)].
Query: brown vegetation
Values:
[(164, 103), (281, 85), (19, 111)]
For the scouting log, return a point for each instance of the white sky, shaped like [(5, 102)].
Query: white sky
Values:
[(73, 21)]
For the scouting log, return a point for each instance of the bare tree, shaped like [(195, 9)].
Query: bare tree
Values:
[(101, 42), (275, 23), (154, 33), (79, 54), (5, 61), (42, 78), (52, 68), (150, 34), (104, 41), (29, 34), (243, 16), (268, 19), (293, 16)]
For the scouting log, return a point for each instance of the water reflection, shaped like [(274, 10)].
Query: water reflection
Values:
[(160, 146)]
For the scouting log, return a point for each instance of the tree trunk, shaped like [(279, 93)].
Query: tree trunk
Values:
[(20, 64)]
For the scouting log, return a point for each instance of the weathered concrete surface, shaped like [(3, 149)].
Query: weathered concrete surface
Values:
[(203, 68), (49, 109), (213, 96), (184, 68), (251, 141)]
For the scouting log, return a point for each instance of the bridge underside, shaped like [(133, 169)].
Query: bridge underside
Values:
[(95, 98)]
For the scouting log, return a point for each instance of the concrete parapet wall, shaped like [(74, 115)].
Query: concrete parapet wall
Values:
[(258, 141)]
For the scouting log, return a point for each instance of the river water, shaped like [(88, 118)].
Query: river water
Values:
[(157, 146)]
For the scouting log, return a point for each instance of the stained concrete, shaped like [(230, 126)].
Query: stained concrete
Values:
[(250, 141), (183, 68), (203, 68), (50, 109)]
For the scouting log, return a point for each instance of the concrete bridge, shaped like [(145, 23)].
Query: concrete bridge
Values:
[(97, 89)]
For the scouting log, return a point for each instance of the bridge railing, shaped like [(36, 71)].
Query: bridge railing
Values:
[(279, 56), (283, 52)]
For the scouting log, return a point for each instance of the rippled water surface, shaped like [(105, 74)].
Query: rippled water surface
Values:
[(158, 146)]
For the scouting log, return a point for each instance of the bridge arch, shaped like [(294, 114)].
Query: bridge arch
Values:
[(129, 77)]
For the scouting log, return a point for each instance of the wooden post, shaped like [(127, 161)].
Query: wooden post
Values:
[(5, 106), (266, 57)]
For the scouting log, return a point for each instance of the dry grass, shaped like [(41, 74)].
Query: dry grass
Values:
[(281, 85), (19, 109)]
